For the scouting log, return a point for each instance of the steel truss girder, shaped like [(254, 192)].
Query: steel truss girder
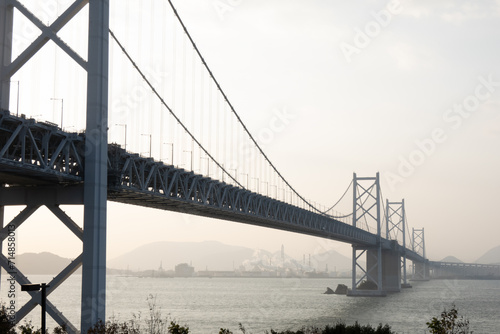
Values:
[(34, 148), (143, 181), (53, 205), (146, 182)]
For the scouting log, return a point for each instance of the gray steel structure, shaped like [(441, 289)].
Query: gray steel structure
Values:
[(95, 152), (395, 224), (56, 158), (44, 165), (449, 270), (420, 270), (366, 201)]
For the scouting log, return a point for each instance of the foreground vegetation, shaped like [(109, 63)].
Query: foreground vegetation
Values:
[(448, 323), (111, 327)]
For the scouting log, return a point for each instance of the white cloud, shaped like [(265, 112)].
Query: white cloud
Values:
[(452, 10)]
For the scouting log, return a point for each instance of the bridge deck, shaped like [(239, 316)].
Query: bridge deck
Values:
[(34, 153)]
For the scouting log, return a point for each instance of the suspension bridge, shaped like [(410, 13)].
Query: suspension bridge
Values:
[(174, 142)]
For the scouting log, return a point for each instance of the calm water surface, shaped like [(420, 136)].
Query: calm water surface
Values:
[(207, 305)]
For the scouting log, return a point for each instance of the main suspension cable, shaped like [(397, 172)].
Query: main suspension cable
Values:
[(234, 111), (168, 108), (345, 192)]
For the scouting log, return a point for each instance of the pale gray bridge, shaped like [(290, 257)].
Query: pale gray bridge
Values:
[(41, 164)]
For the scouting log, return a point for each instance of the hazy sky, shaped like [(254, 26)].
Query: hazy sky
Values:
[(410, 89)]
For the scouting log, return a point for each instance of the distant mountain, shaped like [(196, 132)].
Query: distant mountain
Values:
[(40, 263), (209, 255), (490, 257), (214, 255), (451, 259), (333, 260)]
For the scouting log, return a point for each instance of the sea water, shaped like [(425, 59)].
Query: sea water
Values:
[(260, 304)]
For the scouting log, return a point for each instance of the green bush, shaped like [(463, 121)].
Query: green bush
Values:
[(175, 328), (341, 328), (113, 327), (449, 323), (5, 325), (225, 331)]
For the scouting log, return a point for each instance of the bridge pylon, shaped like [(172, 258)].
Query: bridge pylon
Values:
[(366, 207), (421, 270), (93, 194), (396, 224)]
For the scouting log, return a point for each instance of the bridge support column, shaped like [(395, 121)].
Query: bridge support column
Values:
[(382, 272), (404, 278), (421, 271), (391, 271), (96, 157)]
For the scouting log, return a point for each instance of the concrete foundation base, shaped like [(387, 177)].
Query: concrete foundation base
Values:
[(391, 271)]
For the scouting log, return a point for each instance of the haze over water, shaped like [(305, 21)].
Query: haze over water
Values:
[(206, 305)]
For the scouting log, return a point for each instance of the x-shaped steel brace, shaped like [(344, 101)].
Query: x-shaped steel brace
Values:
[(48, 33), (56, 281)]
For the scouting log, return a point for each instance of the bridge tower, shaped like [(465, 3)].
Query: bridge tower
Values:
[(395, 224), (421, 270), (93, 194), (366, 207)]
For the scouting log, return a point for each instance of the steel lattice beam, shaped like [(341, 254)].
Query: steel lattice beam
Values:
[(40, 149), (146, 182)]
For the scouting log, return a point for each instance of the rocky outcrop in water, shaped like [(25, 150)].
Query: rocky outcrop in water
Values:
[(340, 290), (329, 291)]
